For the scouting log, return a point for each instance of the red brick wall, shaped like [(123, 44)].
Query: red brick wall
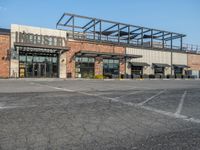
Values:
[(194, 61), (76, 46), (4, 59)]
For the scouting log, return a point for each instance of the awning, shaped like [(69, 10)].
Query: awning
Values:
[(142, 64), (181, 66), (105, 55), (40, 48), (161, 65)]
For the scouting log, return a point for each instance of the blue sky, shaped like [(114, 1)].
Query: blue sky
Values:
[(182, 16)]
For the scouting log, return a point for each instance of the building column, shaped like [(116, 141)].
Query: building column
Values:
[(98, 67), (122, 67), (62, 66)]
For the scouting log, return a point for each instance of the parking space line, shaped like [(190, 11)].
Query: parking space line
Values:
[(1, 106), (152, 97), (54, 87), (140, 105), (170, 114), (180, 106), (132, 93)]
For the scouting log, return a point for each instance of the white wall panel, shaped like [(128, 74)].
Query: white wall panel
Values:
[(179, 58), (150, 57)]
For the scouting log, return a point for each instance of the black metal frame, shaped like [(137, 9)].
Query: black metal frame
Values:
[(106, 55), (100, 30)]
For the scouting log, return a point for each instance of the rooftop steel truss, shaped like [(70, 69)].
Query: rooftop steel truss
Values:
[(100, 30)]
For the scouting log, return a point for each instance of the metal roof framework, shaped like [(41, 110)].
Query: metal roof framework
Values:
[(100, 30)]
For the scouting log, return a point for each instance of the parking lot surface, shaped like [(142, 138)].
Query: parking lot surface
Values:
[(56, 114)]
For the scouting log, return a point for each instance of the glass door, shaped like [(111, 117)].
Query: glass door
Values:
[(39, 70), (42, 69), (32, 65), (35, 70)]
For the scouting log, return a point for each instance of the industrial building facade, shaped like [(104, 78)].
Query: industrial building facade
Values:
[(95, 48)]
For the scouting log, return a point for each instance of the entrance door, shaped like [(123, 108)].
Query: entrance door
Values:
[(39, 70), (42, 70)]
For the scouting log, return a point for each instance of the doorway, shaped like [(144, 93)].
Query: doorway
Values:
[(33, 65), (39, 70)]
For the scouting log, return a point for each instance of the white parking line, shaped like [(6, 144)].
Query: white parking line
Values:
[(1, 106), (140, 105), (180, 106), (152, 97), (127, 94), (170, 114), (53, 87)]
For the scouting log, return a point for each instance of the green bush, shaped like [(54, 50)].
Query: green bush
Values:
[(99, 76)]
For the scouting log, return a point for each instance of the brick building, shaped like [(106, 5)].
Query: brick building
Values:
[(4, 53), (97, 49)]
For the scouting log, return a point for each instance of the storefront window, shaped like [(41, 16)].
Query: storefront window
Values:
[(137, 70), (29, 58), (159, 70), (111, 68), (22, 58), (178, 71), (84, 67), (34, 65)]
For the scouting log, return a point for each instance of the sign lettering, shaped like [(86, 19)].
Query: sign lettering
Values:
[(35, 39)]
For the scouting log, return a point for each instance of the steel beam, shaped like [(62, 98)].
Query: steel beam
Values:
[(147, 31), (171, 41), (91, 25), (110, 27), (173, 37), (60, 20), (70, 26), (163, 40), (136, 30), (68, 20), (141, 36), (87, 24), (151, 38), (181, 43), (73, 26)]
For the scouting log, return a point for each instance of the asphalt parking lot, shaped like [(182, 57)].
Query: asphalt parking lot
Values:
[(55, 114)]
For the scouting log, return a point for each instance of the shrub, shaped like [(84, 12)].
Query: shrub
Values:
[(99, 76), (151, 76)]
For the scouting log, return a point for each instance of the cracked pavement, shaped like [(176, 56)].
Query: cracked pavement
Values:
[(55, 114)]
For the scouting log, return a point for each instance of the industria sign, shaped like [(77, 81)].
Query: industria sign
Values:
[(39, 40)]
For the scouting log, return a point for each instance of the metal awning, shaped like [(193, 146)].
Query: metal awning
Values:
[(142, 64), (16, 44), (105, 55), (161, 65), (40, 48), (180, 66)]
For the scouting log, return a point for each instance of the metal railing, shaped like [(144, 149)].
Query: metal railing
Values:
[(191, 48), (114, 40)]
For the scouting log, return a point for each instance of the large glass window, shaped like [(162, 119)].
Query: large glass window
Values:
[(159, 70), (178, 71), (137, 70), (111, 68), (35, 65), (84, 67)]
